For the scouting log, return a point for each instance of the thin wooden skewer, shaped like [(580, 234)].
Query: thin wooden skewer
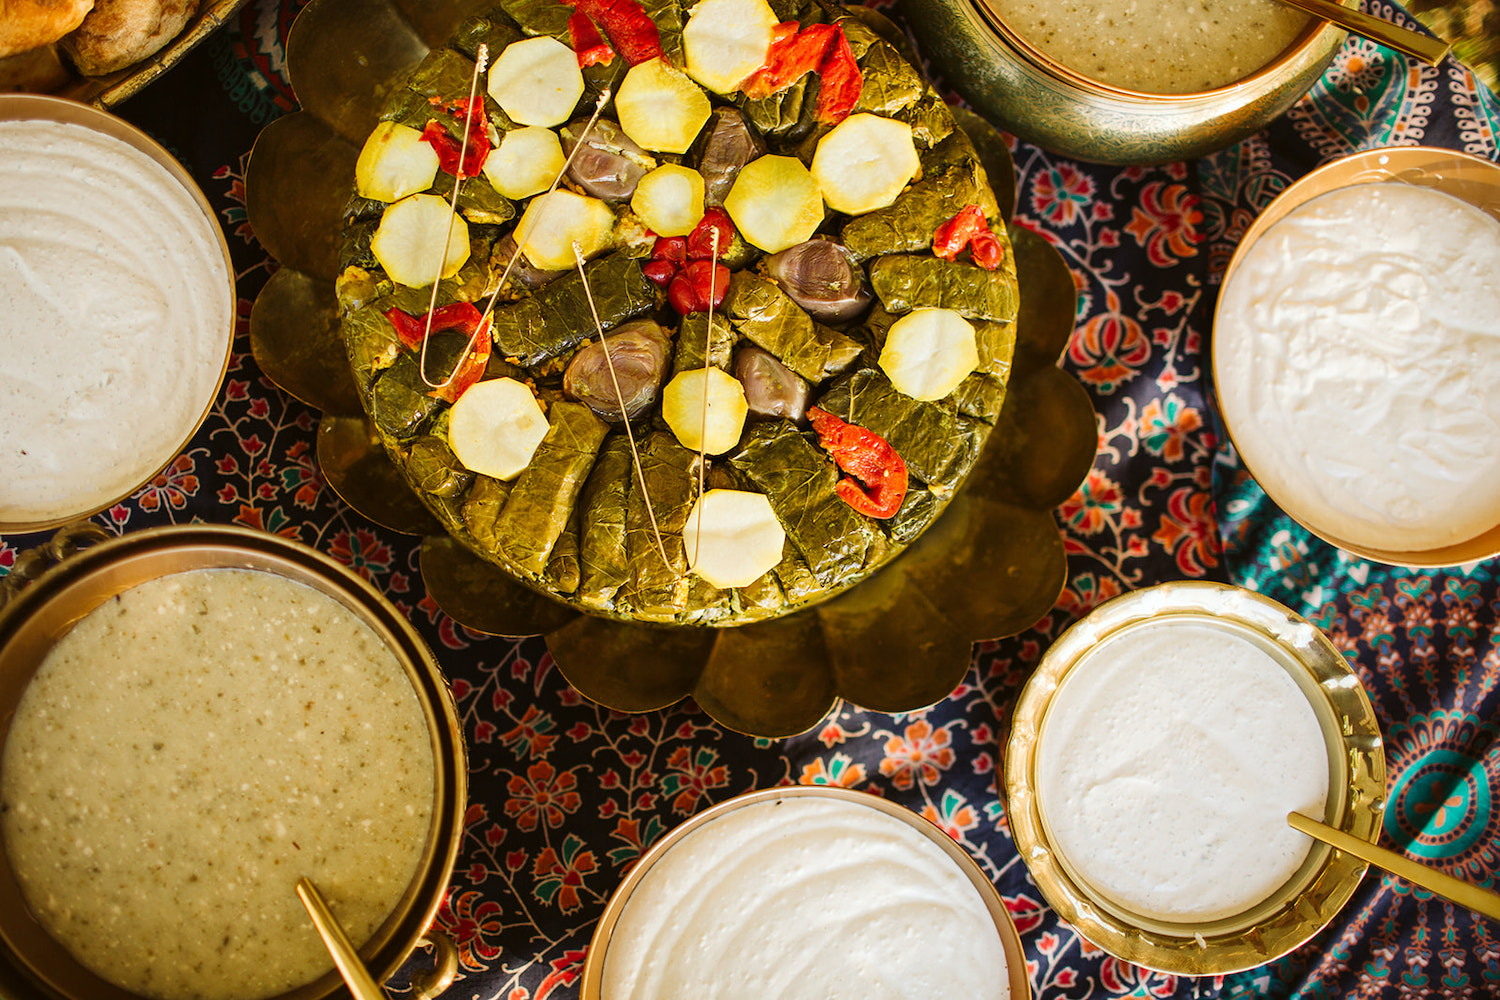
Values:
[(708, 340), (635, 455)]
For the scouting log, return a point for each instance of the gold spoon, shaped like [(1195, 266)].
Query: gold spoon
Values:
[(356, 976), (1471, 896), (1412, 43)]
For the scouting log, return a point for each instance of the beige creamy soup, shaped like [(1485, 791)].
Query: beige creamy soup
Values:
[(1156, 46), (189, 750), (1169, 759), (805, 898), (116, 318)]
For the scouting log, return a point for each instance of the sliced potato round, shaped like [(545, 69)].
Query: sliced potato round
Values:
[(495, 426), (527, 161), (864, 163), (536, 81), (415, 244), (732, 538), (775, 203), (553, 222), (669, 199), (725, 41), (928, 352), (394, 163), (682, 409), (660, 108)]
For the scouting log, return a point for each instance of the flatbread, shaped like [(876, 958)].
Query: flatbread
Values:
[(29, 24)]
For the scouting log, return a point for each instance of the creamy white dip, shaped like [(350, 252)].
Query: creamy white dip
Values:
[(1157, 46), (805, 898), (116, 319), (185, 754), (1357, 354), (1169, 758)]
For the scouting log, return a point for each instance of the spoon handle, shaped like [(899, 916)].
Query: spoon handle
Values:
[(1470, 896), (1412, 43), (356, 976)]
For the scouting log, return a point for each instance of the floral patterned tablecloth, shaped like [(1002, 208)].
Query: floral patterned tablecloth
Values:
[(565, 795)]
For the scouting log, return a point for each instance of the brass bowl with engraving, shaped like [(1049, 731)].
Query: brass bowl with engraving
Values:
[(897, 642), (1060, 109), (81, 568), (1326, 879)]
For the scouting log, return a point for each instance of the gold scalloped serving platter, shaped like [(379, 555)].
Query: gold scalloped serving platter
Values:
[(990, 566)]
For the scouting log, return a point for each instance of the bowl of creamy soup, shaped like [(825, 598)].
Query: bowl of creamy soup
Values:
[(1154, 757), (191, 719), (119, 307), (805, 893), (1356, 349), (1138, 82)]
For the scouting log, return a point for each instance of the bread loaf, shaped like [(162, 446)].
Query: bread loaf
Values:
[(119, 33), (29, 24)]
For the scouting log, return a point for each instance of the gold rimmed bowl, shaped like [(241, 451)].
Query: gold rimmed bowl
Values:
[(990, 566), (1055, 106), (1296, 489), (702, 879), (1298, 907), (81, 569), (159, 177)]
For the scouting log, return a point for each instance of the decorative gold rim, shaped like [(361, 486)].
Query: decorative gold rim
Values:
[(41, 107), (49, 606), (1470, 178), (1356, 799), (1015, 956)]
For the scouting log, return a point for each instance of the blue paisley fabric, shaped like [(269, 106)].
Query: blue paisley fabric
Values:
[(565, 795)]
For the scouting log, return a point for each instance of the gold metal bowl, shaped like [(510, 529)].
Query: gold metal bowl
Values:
[(592, 979), (1356, 786), (35, 107), (1472, 179), (33, 966), (1053, 106)]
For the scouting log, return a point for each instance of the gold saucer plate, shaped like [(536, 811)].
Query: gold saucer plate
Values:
[(592, 976), (989, 567), (1356, 796), (41, 107), (1472, 179)]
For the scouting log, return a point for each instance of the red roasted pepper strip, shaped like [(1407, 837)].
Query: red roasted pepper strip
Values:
[(877, 480), (465, 318), (700, 242), (448, 148), (685, 267), (591, 48), (630, 29), (792, 54), (698, 287), (840, 82), (968, 229)]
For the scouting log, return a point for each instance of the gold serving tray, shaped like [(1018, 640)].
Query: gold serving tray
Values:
[(1356, 793), (989, 567)]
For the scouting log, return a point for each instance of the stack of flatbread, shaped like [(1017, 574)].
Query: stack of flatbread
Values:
[(96, 36)]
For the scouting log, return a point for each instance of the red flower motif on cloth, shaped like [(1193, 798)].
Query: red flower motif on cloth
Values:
[(304, 476), (1190, 524), (1086, 593), (1061, 193), (1110, 350), (921, 753), (691, 774), (172, 486), (839, 771), (362, 551), (1119, 976), (560, 875), (470, 920), (565, 972), (636, 835), (544, 795), (1166, 223), (1165, 426), (952, 814), (1089, 509), (534, 731)]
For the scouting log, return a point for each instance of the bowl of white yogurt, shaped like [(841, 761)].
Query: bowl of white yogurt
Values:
[(1154, 757), (191, 719), (805, 892), (119, 308), (1356, 350)]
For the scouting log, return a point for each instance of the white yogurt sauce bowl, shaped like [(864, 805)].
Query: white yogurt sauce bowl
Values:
[(119, 310), (735, 879), (1153, 757), (1357, 379), (34, 965)]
